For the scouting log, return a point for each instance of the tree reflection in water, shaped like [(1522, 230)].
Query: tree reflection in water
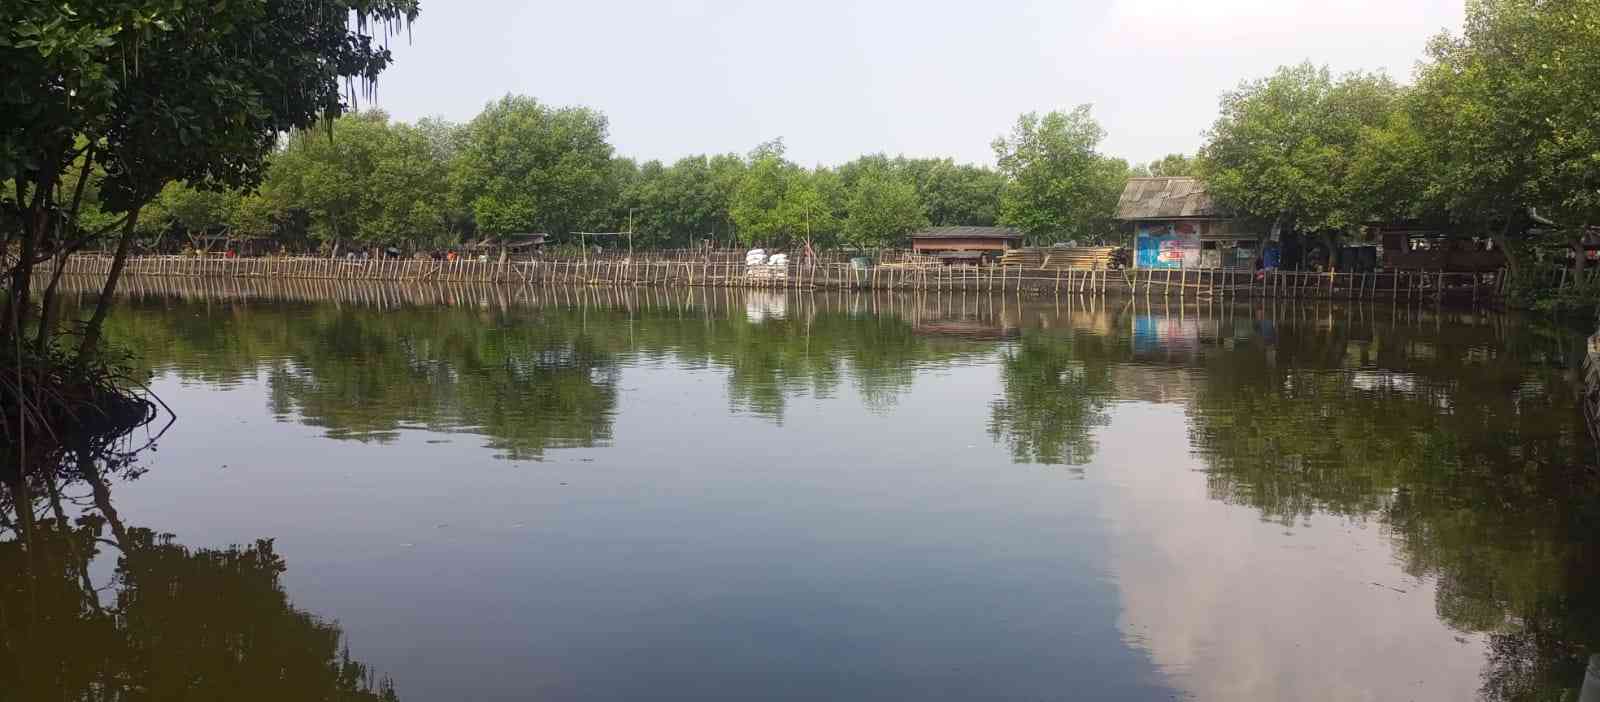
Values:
[(1458, 433), (1465, 441), (173, 623)]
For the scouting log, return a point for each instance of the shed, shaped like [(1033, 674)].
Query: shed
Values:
[(1413, 246), (1176, 224), (962, 244), (512, 245)]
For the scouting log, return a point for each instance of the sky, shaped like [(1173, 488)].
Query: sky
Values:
[(837, 79)]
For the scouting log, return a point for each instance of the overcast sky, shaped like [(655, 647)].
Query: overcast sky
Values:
[(837, 79)]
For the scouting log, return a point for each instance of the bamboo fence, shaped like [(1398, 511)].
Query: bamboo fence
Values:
[(1071, 273)]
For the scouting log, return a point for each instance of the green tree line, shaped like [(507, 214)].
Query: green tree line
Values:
[(364, 180), (1492, 138), (1495, 138)]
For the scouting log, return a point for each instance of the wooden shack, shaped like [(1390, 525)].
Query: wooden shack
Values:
[(1412, 247), (1177, 225), (965, 244), (510, 246)]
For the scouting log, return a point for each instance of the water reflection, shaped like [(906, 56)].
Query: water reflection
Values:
[(1308, 501), (1461, 442), (94, 608)]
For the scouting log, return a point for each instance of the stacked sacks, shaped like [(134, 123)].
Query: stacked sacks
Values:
[(758, 266)]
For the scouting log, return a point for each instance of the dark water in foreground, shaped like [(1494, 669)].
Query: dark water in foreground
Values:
[(709, 495)]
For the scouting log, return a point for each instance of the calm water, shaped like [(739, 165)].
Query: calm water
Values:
[(506, 495)]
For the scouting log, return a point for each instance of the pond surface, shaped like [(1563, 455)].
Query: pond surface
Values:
[(558, 494)]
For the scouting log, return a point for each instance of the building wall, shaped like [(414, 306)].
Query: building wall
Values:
[(1166, 245), (1181, 244)]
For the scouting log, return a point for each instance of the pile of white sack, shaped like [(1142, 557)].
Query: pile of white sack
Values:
[(779, 260), (755, 257)]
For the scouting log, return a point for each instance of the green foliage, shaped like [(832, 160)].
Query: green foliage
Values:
[(883, 210), (198, 213), (1170, 165), (1058, 185), (951, 194), (1461, 441), (758, 201), (1283, 147), (254, 216), (365, 180), (955, 194), (1057, 390), (778, 203), (1388, 174), (1505, 113), (176, 89), (1496, 138), (528, 167), (678, 205), (143, 93)]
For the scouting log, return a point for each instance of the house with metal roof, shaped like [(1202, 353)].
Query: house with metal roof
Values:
[(965, 244), (1176, 224)]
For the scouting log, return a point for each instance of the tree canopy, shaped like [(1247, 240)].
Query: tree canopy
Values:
[(883, 210), (527, 167), (1059, 186), (1283, 147), (364, 179), (122, 98), (1168, 166), (1494, 138)]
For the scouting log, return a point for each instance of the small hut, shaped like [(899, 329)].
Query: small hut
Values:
[(1176, 225), (510, 246), (965, 244), (1412, 246)]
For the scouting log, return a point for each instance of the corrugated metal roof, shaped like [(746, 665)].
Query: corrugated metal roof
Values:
[(1166, 198), (967, 233), (509, 241)]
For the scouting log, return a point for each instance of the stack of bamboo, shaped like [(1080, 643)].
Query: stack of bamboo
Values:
[(1077, 258)]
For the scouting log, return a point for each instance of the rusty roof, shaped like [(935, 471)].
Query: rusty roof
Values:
[(1166, 198), (967, 233)]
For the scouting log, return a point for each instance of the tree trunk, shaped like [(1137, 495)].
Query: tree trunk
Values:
[(91, 332), (102, 499), (1580, 261), (63, 250), (21, 298), (21, 500), (1502, 241), (47, 304)]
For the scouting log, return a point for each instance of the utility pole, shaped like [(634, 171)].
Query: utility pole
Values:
[(630, 233)]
